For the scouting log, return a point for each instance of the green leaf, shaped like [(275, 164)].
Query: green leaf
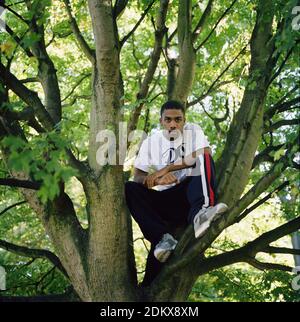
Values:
[(30, 39), (278, 154)]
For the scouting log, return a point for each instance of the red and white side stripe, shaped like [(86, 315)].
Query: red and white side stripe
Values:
[(206, 174)]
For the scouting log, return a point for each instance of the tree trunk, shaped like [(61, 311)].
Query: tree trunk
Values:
[(109, 255), (180, 89)]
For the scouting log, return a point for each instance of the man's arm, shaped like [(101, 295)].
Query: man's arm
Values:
[(139, 175), (187, 162)]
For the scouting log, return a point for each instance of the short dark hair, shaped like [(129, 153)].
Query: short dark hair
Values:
[(172, 105)]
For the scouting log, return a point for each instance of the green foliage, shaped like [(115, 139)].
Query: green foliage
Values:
[(32, 277), (41, 159), (278, 154), (30, 39), (25, 276), (39, 9), (236, 284)]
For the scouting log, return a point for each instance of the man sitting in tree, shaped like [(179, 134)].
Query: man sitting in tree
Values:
[(183, 181)]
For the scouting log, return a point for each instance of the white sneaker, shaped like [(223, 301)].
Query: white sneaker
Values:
[(206, 216), (165, 247)]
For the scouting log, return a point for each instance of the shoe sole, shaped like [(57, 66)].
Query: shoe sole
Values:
[(200, 232)]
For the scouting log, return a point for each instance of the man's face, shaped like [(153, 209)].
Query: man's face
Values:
[(172, 120)]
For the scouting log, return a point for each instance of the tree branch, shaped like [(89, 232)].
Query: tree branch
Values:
[(216, 25), (265, 155), (180, 82), (36, 125), (80, 39), (19, 41), (260, 243), (15, 13), (75, 86), (280, 250), (245, 254), (30, 80), (245, 129), (281, 123), (12, 206), (26, 114), (33, 253), (11, 182), (266, 180), (282, 107), (122, 42), (172, 35), (202, 20), (263, 266), (262, 201), (289, 93), (29, 97), (217, 120), (155, 55), (216, 80), (46, 68), (75, 98), (283, 63), (241, 255), (119, 7)]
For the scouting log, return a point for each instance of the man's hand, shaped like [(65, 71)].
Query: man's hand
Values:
[(150, 180), (167, 179), (161, 177)]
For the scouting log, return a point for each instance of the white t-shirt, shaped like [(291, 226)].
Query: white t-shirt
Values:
[(157, 151)]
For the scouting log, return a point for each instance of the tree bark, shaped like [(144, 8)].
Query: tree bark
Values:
[(109, 255), (245, 131), (187, 54), (155, 56)]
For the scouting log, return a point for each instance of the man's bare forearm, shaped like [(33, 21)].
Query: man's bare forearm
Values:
[(139, 175), (155, 178)]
